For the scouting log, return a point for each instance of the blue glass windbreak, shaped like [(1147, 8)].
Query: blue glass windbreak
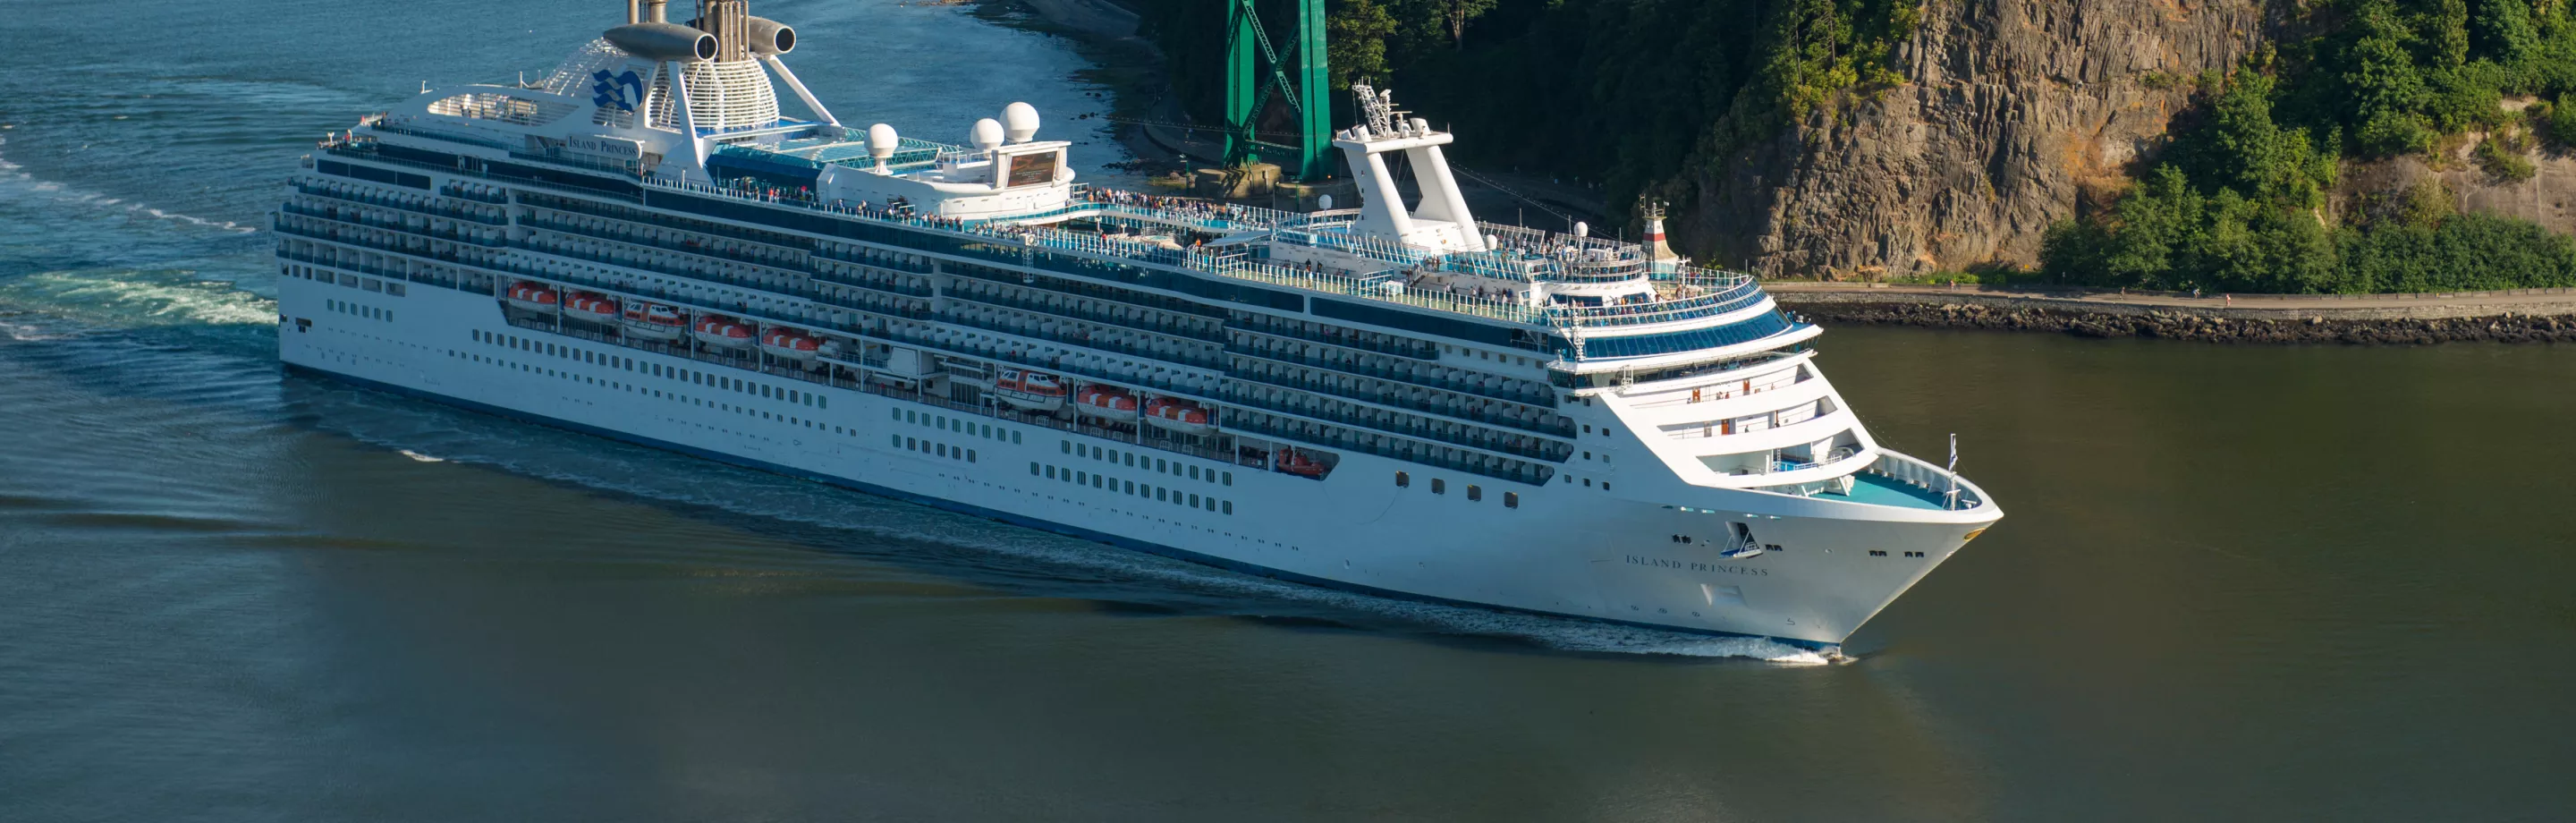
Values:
[(1755, 328)]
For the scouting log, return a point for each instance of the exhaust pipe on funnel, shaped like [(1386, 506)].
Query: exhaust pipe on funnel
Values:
[(771, 37), (664, 41)]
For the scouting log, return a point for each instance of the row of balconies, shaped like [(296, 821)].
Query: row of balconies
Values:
[(1407, 396), (1395, 448)]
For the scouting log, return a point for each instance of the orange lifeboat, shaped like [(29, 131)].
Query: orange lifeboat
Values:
[(719, 330), (1178, 415), (1297, 463), (654, 321), (535, 297), (1029, 390), (792, 344), (591, 307), (1105, 401)]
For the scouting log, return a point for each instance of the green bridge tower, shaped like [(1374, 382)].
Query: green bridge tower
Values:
[(1254, 70)]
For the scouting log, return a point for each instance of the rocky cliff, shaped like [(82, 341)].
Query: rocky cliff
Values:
[(2013, 111)]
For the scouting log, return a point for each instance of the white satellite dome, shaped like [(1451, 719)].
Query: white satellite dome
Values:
[(987, 133), (881, 143), (1020, 121)]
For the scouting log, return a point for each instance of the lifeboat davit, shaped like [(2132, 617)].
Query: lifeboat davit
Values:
[(1029, 390), (591, 307), (1297, 463), (654, 321), (1179, 415), (781, 341), (719, 330), (535, 297), (1105, 401)]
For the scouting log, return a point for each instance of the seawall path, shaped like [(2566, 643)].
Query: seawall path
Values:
[(2517, 316)]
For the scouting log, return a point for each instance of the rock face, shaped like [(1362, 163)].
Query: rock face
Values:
[(2015, 109)]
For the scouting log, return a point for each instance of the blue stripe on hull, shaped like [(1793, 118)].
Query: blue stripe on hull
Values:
[(1003, 516)]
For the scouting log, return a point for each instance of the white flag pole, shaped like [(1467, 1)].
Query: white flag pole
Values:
[(1954, 470)]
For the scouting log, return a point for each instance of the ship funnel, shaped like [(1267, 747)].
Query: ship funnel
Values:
[(986, 135), (771, 37), (1020, 122)]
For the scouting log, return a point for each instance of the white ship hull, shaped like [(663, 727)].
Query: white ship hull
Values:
[(1564, 550)]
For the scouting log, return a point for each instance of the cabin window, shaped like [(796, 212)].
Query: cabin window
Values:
[(1229, 507), (1229, 478), (1402, 480), (1194, 501), (1033, 469), (1131, 458), (898, 414), (1161, 493), (1511, 500), (1439, 486), (1015, 437), (1475, 492), (1162, 465), (1194, 472), (1131, 487)]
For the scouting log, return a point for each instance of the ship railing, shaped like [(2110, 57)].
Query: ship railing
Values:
[(794, 263), (1186, 358), (496, 219), (450, 235), (831, 252), (1087, 290), (1923, 475), (1509, 390), (1394, 422), (1453, 412), (1341, 439), (568, 205), (362, 268), (447, 136), (1373, 344), (887, 285), (460, 193), (1373, 288), (1090, 315), (1741, 295)]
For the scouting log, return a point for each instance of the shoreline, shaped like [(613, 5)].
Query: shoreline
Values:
[(2519, 316)]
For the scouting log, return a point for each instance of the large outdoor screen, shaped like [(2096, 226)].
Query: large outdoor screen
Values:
[(1031, 170)]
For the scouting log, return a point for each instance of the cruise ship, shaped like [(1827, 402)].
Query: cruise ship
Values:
[(1394, 399)]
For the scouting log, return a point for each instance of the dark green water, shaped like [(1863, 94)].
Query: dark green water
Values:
[(2234, 583)]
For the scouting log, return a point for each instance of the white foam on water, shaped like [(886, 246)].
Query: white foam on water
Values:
[(422, 457), (23, 333), (156, 298)]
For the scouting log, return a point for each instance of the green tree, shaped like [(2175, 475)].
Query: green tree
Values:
[(2242, 148), (2505, 31), (1355, 42), (2388, 92), (2451, 33)]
